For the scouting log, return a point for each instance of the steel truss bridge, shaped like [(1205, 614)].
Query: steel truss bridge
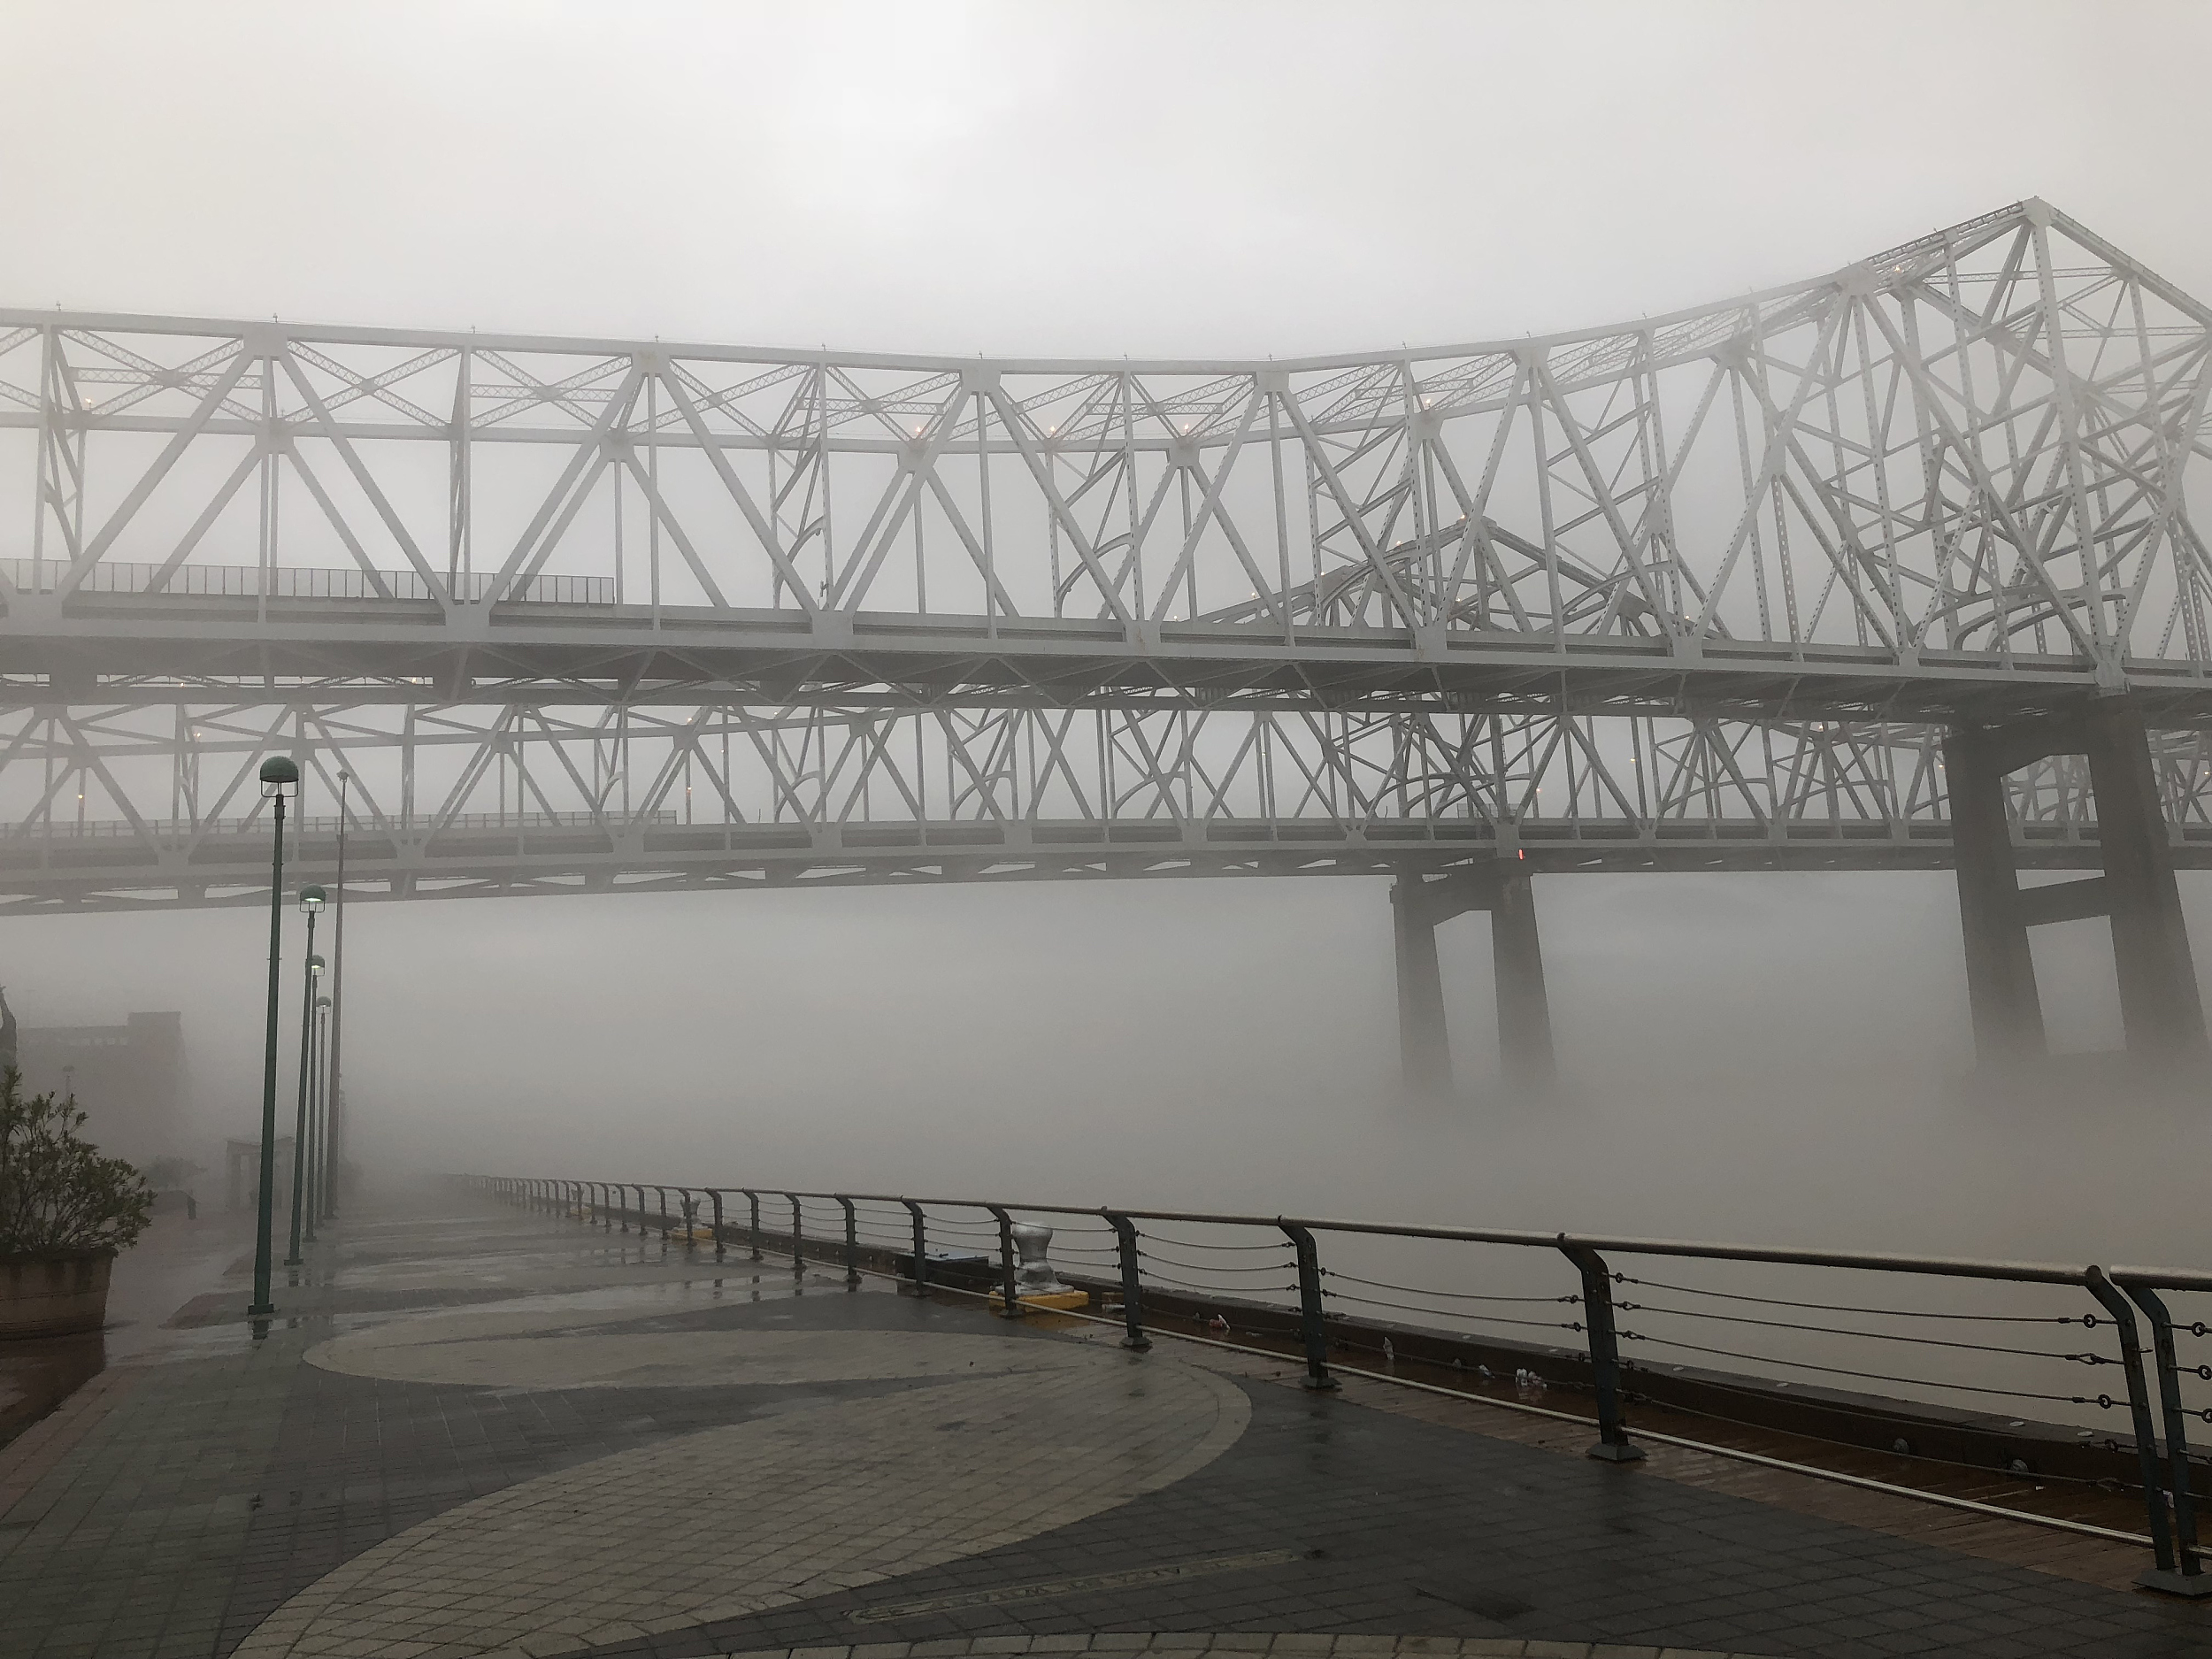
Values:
[(519, 798), (1713, 590)]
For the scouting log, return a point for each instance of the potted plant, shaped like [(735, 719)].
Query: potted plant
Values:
[(65, 1211)]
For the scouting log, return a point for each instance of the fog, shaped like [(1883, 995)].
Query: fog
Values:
[(1772, 1057)]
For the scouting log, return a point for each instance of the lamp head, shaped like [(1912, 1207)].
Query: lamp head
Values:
[(279, 777), (322, 1002), (315, 966), (312, 899)]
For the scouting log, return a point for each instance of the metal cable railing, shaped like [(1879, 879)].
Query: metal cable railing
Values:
[(1601, 1336)]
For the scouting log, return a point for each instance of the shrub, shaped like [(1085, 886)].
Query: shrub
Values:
[(58, 1195)]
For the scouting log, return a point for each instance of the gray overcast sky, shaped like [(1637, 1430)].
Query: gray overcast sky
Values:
[(1022, 178), (1204, 179)]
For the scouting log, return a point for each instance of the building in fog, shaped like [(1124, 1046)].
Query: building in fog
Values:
[(129, 1079)]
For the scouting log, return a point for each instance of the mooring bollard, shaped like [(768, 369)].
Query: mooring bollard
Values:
[(1132, 1306), (1614, 1446), (1034, 1277), (1312, 1324)]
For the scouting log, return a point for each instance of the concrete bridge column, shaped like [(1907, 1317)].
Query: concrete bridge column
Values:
[(1425, 1047), (2159, 1002), (2000, 987), (1525, 1038), (1517, 956), (2151, 959)]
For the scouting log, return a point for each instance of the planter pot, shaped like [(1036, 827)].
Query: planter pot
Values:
[(54, 1295)]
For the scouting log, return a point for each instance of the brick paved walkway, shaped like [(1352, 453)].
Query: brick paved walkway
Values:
[(520, 1435)]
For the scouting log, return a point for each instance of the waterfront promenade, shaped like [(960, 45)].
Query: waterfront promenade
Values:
[(477, 1429)]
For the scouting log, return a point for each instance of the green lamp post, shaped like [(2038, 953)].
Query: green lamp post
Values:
[(319, 1120), (310, 906), (279, 781)]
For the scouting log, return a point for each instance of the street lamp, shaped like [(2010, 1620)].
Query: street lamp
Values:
[(279, 781), (311, 907), (319, 1120), (334, 1108)]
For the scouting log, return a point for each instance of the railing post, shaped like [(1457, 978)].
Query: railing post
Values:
[(1311, 1326), (689, 1207), (1014, 1310), (576, 1200), (852, 1246), (753, 1198), (2189, 1578), (1132, 1303), (663, 1191), (1614, 1446), (2146, 1438), (921, 1246), (607, 1206), (715, 1193), (642, 1227), (798, 1235)]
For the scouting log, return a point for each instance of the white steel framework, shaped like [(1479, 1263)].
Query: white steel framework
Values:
[(1698, 592), (136, 806), (1946, 482)]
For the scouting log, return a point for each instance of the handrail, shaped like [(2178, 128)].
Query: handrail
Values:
[(1876, 1261), (2118, 1293)]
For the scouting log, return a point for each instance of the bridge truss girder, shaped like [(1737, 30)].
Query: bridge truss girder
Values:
[(154, 807), (1946, 483)]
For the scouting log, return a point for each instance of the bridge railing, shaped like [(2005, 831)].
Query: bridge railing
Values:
[(322, 824), (2065, 1373), (254, 581)]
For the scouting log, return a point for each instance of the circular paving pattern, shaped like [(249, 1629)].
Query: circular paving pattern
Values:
[(521, 1350), (1021, 1436)]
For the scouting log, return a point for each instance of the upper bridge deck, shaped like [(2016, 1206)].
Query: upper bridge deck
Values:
[(1950, 482)]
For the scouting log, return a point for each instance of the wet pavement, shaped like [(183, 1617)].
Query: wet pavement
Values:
[(474, 1430)]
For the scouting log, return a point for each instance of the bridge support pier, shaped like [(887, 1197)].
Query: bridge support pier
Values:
[(2000, 991), (1425, 1044), (1525, 1037), (2159, 1001)]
